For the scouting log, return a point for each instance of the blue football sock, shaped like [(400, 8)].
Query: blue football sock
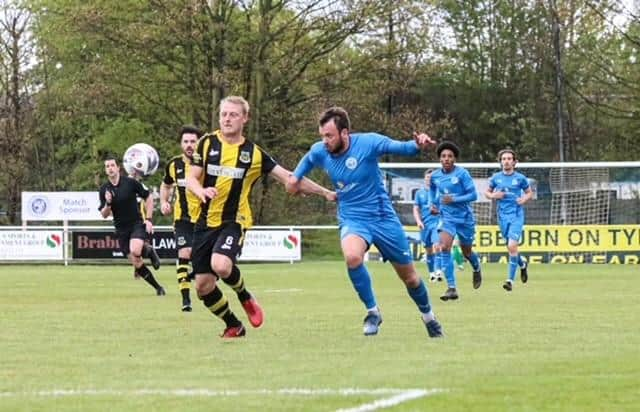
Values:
[(430, 262), (513, 265), (361, 281), (475, 262), (438, 262), (449, 271), (420, 296), (521, 261)]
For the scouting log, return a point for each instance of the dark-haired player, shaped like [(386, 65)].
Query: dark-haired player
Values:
[(118, 197), (365, 213), (454, 187), (186, 206)]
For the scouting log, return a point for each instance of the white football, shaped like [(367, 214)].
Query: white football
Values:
[(142, 159)]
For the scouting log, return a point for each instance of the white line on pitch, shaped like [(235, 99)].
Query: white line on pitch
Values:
[(290, 290), (223, 392), (392, 401)]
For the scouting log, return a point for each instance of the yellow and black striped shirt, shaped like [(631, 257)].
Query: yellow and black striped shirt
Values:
[(232, 169), (187, 205)]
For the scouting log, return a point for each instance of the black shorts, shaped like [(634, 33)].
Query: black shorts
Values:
[(225, 240), (183, 232), (134, 231)]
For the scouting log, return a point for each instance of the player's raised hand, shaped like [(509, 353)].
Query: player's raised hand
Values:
[(108, 196), (423, 140)]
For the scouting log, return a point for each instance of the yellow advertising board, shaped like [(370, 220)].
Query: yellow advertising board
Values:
[(563, 239), (604, 244)]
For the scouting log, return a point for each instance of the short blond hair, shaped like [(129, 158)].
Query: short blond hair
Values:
[(239, 100)]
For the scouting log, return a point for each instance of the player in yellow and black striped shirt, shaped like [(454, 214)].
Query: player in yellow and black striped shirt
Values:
[(186, 206), (225, 167)]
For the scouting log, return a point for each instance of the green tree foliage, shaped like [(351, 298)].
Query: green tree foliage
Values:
[(105, 74)]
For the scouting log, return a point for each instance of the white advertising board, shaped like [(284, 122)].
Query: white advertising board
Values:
[(272, 245), (31, 245), (69, 206)]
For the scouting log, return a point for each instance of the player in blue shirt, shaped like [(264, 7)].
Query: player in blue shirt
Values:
[(427, 221), (365, 213), (511, 189), (454, 187)]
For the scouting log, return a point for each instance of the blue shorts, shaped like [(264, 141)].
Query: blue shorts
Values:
[(511, 227), (429, 235), (387, 235), (466, 231)]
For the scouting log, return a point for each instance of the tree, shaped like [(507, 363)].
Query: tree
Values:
[(16, 103)]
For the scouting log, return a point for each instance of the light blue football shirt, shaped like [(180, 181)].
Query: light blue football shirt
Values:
[(424, 201), (459, 184), (513, 185), (355, 174)]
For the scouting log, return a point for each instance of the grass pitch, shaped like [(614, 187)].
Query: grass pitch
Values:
[(87, 338)]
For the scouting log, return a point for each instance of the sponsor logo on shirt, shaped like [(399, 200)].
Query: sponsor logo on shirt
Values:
[(225, 171)]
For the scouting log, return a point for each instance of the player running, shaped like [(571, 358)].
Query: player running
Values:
[(454, 187), (511, 189), (365, 213)]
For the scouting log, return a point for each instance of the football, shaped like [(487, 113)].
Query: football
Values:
[(142, 159)]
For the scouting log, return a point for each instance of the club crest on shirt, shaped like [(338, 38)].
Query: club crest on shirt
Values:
[(514, 181), (351, 163), (454, 180), (245, 157)]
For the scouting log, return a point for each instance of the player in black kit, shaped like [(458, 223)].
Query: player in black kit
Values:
[(118, 198)]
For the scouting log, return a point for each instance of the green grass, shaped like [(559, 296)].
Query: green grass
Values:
[(567, 340)]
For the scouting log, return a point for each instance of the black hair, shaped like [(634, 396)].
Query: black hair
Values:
[(338, 115), (189, 128), (448, 145), (110, 156)]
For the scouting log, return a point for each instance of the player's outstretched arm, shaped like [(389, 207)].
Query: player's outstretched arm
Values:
[(423, 140), (305, 186)]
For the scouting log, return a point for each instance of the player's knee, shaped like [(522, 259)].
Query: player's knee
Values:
[(222, 269), (353, 260), (204, 285), (412, 280), (135, 257)]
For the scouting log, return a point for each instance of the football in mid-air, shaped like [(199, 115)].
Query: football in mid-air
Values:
[(142, 159)]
